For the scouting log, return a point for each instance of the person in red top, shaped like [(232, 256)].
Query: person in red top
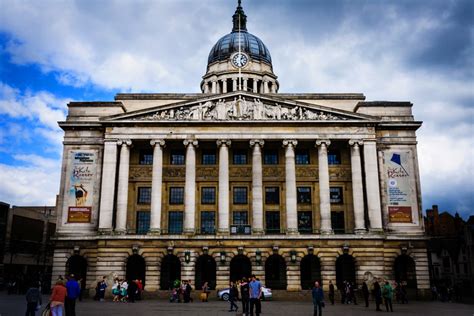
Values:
[(140, 288), (57, 298)]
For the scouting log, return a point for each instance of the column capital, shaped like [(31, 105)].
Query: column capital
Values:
[(192, 142), (320, 142), (356, 142), (259, 142), (290, 142), (110, 140), (124, 142), (159, 142), (223, 142)]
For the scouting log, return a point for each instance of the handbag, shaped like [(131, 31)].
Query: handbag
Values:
[(47, 310)]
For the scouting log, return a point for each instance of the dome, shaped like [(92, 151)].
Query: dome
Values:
[(229, 44)]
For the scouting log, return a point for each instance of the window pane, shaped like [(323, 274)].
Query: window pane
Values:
[(146, 157), (270, 158), (240, 218), (305, 222), (272, 222), (336, 195), (240, 158), (208, 225), (272, 195), (209, 158), (144, 195), (177, 157), (240, 195), (334, 157), (143, 222), (177, 195), (304, 195), (208, 195), (337, 222), (302, 157), (175, 224)]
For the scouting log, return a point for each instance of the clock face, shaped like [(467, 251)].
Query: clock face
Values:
[(239, 60)]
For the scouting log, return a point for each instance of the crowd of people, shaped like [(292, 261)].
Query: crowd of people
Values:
[(122, 291), (249, 292), (181, 291), (446, 293)]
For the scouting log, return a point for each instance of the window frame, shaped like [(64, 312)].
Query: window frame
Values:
[(269, 201), (299, 195), (299, 153), (171, 201), (203, 195), (208, 154), (267, 154), (139, 196), (234, 195), (177, 153), (142, 160), (139, 223), (180, 217)]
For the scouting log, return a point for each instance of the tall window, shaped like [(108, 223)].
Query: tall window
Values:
[(335, 194), (304, 195), (270, 157), (305, 222), (239, 157), (302, 157), (144, 195), (240, 195), (177, 157), (175, 222), (272, 195), (209, 158), (208, 195), (272, 222), (176, 195), (334, 157), (143, 222), (240, 218), (145, 157), (337, 222), (208, 222)]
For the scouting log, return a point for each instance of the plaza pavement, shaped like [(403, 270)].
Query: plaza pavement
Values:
[(14, 305)]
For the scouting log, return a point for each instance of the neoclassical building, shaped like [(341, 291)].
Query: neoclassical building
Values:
[(241, 179)]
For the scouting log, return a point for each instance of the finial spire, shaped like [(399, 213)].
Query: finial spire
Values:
[(239, 18)]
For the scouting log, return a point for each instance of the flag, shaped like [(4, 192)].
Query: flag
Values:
[(396, 158)]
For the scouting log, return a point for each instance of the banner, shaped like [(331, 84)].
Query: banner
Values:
[(398, 186), (82, 183)]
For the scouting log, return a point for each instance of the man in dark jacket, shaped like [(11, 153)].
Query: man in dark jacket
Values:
[(33, 299), (318, 299), (331, 292), (73, 291), (132, 291), (245, 296), (365, 293), (378, 295)]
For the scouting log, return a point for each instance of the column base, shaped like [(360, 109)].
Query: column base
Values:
[(154, 232), (104, 231), (360, 231), (326, 231), (189, 231), (257, 231), (292, 231), (378, 231), (223, 231), (120, 232)]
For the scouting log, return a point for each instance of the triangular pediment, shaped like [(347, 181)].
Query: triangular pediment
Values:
[(239, 107)]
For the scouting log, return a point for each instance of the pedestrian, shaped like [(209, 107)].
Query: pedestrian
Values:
[(116, 290), (189, 289), (331, 292), (404, 294), (342, 289), (233, 296), (318, 299), (124, 291), (102, 287), (434, 293), (132, 291), (57, 299), (387, 293), (353, 291), (377, 295), (205, 292), (72, 294), (245, 295), (255, 294), (80, 289), (365, 293), (140, 289), (33, 299)]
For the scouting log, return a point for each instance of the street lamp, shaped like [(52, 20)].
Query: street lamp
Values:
[(293, 256), (187, 256), (258, 257), (222, 256)]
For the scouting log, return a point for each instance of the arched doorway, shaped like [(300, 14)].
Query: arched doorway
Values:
[(404, 270), (205, 272), (275, 272), (170, 271), (136, 268), (310, 269), (77, 265), (345, 270), (240, 267)]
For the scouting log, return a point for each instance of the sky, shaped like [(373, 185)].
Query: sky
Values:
[(54, 52)]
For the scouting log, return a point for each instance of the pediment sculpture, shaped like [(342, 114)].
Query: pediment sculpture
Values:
[(239, 110)]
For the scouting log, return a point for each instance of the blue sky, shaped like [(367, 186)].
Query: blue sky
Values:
[(53, 52)]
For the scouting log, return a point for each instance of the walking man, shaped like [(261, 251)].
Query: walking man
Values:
[(245, 296), (378, 295), (318, 299), (331, 292), (387, 295), (365, 293), (73, 291), (255, 295), (33, 299)]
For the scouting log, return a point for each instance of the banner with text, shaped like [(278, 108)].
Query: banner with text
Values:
[(399, 193)]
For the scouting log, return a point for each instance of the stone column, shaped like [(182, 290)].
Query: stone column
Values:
[(223, 199), (290, 175), (122, 189), (324, 197), (255, 86), (224, 86), (265, 86), (257, 186), (214, 86), (206, 87), (245, 84), (156, 186), (234, 85), (190, 187), (274, 88), (357, 188), (372, 185), (108, 186)]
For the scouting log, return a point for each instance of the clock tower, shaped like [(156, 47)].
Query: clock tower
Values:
[(239, 61)]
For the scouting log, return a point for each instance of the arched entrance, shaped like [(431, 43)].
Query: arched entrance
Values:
[(205, 272), (240, 267), (404, 270), (345, 270), (77, 265), (170, 271), (136, 268), (310, 269), (275, 272)]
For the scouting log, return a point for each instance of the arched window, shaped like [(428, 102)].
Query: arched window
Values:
[(310, 269), (170, 271), (345, 270), (405, 271), (136, 268), (240, 266), (275, 272), (205, 272)]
